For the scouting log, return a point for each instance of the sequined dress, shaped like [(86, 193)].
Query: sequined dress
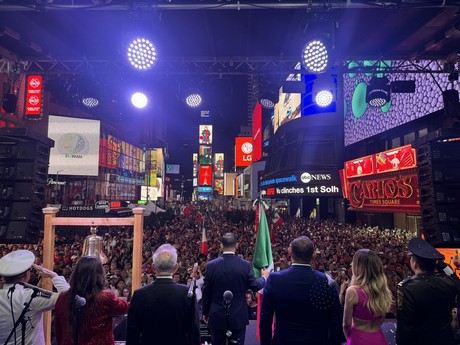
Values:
[(96, 319)]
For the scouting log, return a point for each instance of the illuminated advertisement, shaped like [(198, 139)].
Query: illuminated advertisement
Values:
[(205, 155), (117, 154), (219, 165), (302, 183), (243, 151), (172, 168), (195, 164), (386, 181), (205, 176), (219, 186), (288, 108), (363, 121), (205, 135), (76, 148), (257, 133), (34, 96)]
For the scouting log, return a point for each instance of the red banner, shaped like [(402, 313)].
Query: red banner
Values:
[(34, 93), (360, 167), (205, 175), (257, 132), (397, 159)]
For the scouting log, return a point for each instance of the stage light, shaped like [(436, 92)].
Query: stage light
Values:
[(193, 100), (324, 98), (378, 92), (139, 100), (268, 99), (315, 56), (90, 102), (142, 54)]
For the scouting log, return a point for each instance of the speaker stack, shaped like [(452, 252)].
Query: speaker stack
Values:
[(24, 163), (438, 159)]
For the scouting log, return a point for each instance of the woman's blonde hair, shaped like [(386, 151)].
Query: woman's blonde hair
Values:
[(368, 275)]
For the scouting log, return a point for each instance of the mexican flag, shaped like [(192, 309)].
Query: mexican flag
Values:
[(263, 257)]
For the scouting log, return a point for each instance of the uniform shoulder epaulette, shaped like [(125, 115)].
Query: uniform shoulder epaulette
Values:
[(401, 283)]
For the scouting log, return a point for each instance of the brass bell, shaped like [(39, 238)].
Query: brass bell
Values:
[(93, 246)]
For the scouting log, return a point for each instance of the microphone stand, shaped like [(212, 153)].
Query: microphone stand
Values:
[(229, 333), (22, 320), (191, 296)]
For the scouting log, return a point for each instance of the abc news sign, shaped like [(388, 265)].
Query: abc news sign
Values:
[(303, 184)]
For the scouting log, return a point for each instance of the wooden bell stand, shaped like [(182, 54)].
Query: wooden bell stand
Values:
[(51, 220)]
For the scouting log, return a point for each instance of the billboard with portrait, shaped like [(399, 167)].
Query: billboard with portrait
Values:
[(205, 135), (205, 155)]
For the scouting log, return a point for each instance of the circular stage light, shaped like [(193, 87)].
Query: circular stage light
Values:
[(139, 100), (142, 54)]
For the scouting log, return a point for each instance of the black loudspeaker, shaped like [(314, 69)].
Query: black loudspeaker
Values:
[(439, 185), (9, 103), (23, 174)]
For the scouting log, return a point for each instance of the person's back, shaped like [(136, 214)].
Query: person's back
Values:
[(162, 312), (306, 305), (158, 310)]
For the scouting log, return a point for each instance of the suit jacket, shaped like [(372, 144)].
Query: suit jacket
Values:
[(307, 308), (161, 313), (228, 272)]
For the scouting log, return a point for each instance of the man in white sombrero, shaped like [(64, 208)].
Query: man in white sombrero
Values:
[(15, 268)]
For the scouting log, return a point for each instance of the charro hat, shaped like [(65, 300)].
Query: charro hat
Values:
[(16, 262), (424, 250)]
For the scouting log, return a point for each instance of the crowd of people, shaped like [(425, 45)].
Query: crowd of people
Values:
[(357, 271), (334, 243)]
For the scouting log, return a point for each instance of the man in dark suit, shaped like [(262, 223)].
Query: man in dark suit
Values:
[(228, 273), (306, 305), (162, 312)]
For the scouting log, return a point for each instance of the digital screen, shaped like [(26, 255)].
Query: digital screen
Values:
[(76, 148), (363, 121), (205, 134)]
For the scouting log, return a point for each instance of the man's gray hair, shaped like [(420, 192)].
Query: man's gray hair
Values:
[(165, 258)]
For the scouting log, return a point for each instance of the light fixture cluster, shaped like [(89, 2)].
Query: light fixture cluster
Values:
[(193, 100), (142, 54), (90, 102), (315, 56)]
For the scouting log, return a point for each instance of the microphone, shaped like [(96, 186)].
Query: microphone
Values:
[(190, 289), (80, 302), (228, 296), (38, 291)]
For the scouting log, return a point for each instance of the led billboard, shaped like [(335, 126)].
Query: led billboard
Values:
[(205, 135), (363, 121)]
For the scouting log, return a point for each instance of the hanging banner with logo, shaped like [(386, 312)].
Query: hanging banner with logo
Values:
[(219, 165), (205, 177), (195, 164), (205, 136), (34, 97)]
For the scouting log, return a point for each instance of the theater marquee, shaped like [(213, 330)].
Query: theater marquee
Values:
[(384, 182)]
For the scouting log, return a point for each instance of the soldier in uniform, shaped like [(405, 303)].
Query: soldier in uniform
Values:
[(425, 300)]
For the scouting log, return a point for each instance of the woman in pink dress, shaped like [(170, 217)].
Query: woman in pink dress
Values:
[(367, 300)]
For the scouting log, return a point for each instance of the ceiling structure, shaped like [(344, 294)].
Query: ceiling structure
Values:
[(229, 48)]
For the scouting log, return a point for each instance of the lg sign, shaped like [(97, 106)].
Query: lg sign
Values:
[(243, 151)]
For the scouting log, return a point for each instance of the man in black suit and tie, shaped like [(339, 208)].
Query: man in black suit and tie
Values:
[(228, 273), (306, 305), (163, 312)]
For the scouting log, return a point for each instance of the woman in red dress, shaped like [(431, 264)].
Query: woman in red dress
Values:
[(84, 313)]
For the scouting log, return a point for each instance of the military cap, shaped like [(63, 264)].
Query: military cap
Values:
[(424, 250), (16, 262)]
